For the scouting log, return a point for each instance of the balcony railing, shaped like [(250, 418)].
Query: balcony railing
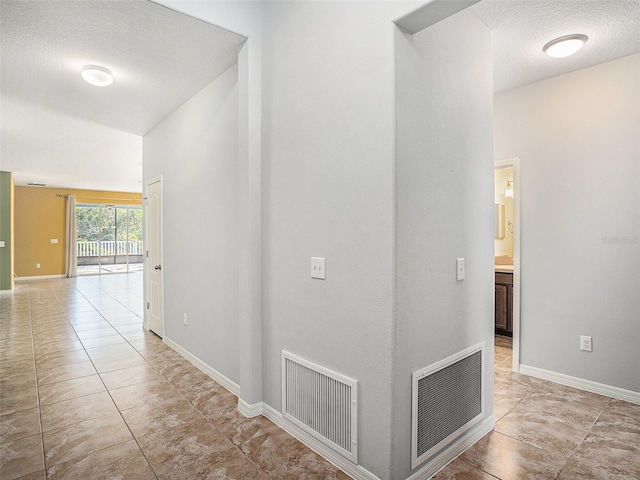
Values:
[(110, 247)]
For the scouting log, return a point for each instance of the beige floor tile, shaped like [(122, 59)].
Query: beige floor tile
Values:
[(240, 429), (129, 376), (75, 410), (61, 358), (12, 401), (507, 458), (103, 341), (52, 348), (68, 389), (603, 459), (93, 325), (101, 332), (19, 425), (113, 350), (18, 381), (21, 457), (120, 361), (282, 456), (160, 415), (84, 438), (229, 464), (47, 374), (143, 393), (121, 461), (176, 449), (459, 470)]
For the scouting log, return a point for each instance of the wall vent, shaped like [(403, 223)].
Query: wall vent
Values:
[(321, 402), (447, 400)]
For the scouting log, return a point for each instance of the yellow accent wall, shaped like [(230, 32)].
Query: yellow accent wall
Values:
[(40, 216)]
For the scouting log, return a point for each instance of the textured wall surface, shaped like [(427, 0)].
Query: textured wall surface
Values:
[(196, 151), (577, 138), (445, 206)]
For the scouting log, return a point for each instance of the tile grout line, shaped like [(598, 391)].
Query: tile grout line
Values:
[(35, 370)]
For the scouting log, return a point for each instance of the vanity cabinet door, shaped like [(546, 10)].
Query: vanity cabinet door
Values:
[(502, 317), (504, 303)]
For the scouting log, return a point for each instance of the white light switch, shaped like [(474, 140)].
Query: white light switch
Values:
[(317, 268), (1, 243), (54, 240), (460, 269)]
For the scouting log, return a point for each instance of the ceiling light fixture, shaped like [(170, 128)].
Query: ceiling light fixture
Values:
[(564, 46), (97, 76)]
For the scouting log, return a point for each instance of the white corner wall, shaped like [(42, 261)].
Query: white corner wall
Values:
[(445, 207), (328, 191), (578, 138), (195, 149)]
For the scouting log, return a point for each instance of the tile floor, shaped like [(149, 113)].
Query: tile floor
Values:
[(85, 393)]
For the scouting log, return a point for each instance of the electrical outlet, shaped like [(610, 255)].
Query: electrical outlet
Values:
[(185, 320), (585, 343), (37, 265)]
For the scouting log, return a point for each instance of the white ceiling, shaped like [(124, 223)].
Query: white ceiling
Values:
[(520, 28), (58, 130)]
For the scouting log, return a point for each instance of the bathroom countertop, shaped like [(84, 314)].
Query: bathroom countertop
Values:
[(504, 268)]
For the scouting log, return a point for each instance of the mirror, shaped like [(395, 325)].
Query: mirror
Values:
[(499, 220)]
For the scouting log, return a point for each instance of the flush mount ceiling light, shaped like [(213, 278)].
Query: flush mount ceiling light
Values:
[(97, 76), (564, 46)]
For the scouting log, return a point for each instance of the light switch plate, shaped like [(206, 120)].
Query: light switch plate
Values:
[(1, 243), (317, 268), (460, 271)]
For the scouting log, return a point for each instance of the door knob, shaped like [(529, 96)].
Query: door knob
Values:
[(157, 267)]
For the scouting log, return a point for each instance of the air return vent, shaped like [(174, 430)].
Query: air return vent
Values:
[(447, 400), (322, 403)]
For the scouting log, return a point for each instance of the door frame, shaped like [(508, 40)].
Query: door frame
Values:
[(517, 221), (147, 265)]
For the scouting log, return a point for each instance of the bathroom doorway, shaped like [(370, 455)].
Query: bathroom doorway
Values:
[(507, 262)]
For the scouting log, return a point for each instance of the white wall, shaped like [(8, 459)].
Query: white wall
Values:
[(578, 138), (328, 159), (195, 149), (445, 206)]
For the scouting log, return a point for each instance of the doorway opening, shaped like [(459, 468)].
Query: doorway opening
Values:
[(507, 262), (109, 238)]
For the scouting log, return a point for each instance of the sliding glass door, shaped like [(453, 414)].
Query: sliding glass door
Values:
[(109, 238)]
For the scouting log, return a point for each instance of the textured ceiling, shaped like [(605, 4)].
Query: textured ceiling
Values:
[(520, 28), (59, 130)]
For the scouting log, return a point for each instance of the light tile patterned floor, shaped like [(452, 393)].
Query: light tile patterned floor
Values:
[(85, 393), (549, 431)]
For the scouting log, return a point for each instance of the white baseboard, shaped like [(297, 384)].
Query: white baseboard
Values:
[(454, 450), (39, 277), (354, 471), (588, 385), (212, 372), (249, 411)]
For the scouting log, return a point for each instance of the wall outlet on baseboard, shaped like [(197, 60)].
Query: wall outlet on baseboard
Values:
[(585, 343), (185, 320)]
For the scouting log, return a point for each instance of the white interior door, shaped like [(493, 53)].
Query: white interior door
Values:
[(155, 313)]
